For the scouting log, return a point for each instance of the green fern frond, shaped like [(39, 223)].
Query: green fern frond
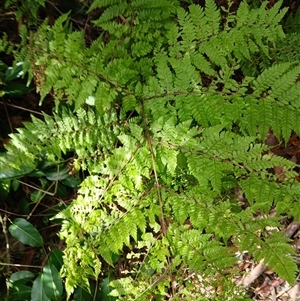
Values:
[(243, 14), (266, 79), (285, 83), (212, 13), (112, 11), (276, 14), (102, 3), (58, 136), (278, 254)]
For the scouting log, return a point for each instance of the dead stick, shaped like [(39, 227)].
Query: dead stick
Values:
[(254, 274)]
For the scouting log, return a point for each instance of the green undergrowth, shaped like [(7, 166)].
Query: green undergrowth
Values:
[(167, 112)]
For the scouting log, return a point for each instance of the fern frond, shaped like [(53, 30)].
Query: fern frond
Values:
[(58, 136), (277, 254), (276, 14), (288, 116), (102, 3), (112, 11), (266, 79), (243, 14), (213, 15), (285, 83)]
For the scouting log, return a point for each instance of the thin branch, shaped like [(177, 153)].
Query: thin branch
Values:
[(163, 223), (4, 230), (44, 193), (20, 265), (21, 108), (8, 119)]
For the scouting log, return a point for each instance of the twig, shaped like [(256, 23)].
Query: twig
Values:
[(7, 115), (45, 192), (20, 265), (21, 108), (162, 219), (4, 230)]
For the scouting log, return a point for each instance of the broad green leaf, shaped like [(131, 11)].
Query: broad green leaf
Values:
[(52, 283), (81, 294), (61, 190), (14, 72), (25, 232), (56, 258), (38, 292), (105, 290), (21, 276), (9, 173), (15, 184), (24, 206), (20, 291), (36, 174), (55, 174), (16, 89), (71, 181)]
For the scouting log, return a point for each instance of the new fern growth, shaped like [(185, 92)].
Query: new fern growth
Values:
[(178, 125)]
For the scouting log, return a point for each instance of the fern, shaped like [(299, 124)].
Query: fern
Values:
[(55, 137), (28, 10), (179, 124), (5, 46), (280, 253)]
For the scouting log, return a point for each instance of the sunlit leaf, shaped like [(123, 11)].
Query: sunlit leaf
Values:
[(4, 188), (38, 292), (51, 281), (8, 173)]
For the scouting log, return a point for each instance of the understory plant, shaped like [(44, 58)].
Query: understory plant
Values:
[(166, 115), (47, 285)]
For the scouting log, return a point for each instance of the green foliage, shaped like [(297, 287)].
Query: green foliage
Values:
[(178, 127), (284, 50), (25, 232), (5, 46), (9, 74), (47, 285), (28, 10), (7, 77)]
